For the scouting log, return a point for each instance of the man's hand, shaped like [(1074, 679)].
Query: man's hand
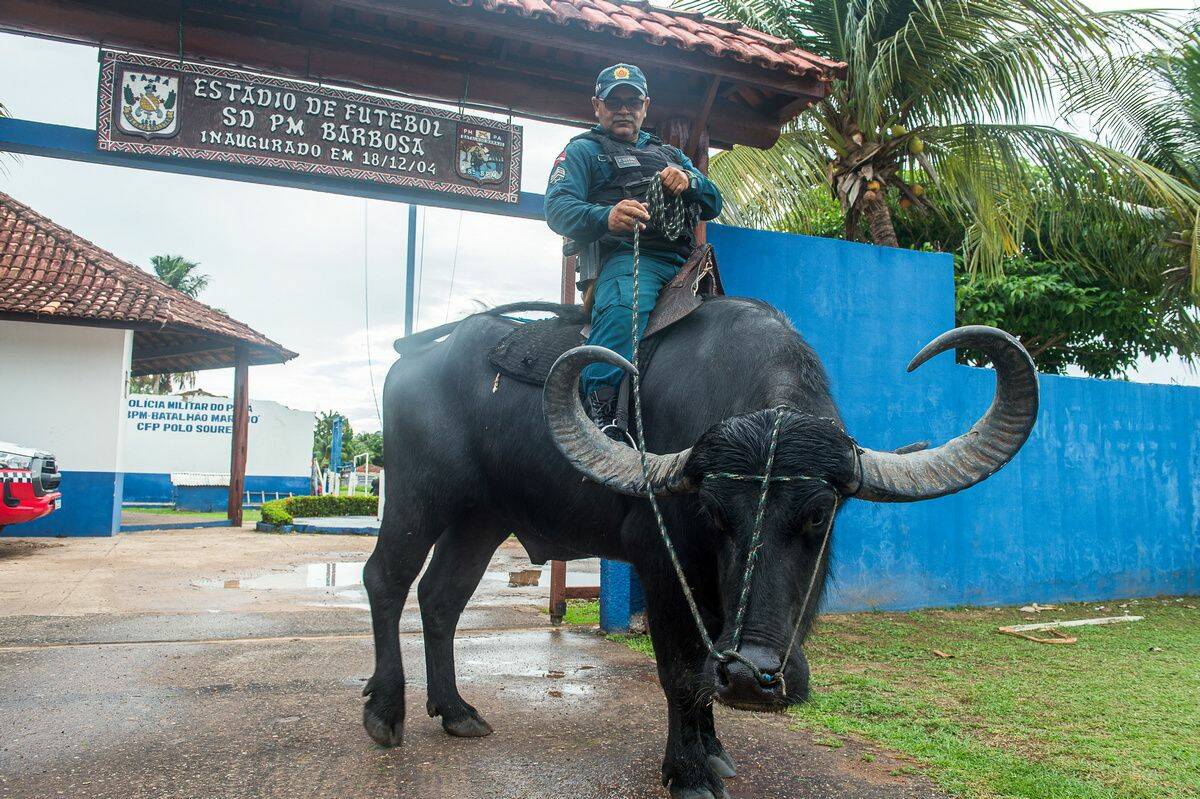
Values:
[(625, 215), (674, 180)]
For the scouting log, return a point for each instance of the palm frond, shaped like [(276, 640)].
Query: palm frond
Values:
[(991, 173), (764, 187), (1147, 104)]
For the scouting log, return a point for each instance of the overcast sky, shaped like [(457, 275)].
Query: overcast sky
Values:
[(288, 262)]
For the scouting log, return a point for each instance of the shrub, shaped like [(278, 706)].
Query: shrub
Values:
[(284, 511)]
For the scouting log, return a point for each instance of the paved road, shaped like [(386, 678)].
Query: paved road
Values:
[(238, 703)]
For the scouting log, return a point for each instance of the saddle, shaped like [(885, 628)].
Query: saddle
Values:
[(527, 353)]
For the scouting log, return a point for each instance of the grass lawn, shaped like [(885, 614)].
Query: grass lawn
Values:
[(1115, 716), (248, 514), (580, 611)]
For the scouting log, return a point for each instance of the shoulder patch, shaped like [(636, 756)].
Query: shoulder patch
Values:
[(558, 173), (561, 157)]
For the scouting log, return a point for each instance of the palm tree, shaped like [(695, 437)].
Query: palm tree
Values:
[(1148, 104), (181, 274), (938, 92)]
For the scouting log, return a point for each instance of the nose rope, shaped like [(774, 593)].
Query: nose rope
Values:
[(668, 216)]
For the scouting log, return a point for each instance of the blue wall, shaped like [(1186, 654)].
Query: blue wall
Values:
[(1102, 502), (149, 487), (91, 505)]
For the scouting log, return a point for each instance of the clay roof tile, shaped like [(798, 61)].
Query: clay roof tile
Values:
[(46, 269), (687, 30)]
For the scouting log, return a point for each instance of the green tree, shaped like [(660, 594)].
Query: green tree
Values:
[(941, 89), (181, 274), (323, 438), (1066, 313), (1148, 104), (370, 443)]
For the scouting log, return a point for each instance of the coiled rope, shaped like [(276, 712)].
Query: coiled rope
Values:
[(669, 215)]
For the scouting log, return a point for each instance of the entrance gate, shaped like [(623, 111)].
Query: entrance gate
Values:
[(716, 84)]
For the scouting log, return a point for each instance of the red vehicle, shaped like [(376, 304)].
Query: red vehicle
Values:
[(29, 481)]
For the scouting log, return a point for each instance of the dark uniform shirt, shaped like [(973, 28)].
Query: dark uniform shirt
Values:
[(578, 171)]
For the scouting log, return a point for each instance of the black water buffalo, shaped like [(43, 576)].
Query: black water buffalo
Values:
[(470, 461)]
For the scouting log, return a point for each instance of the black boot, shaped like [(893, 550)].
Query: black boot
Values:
[(602, 409)]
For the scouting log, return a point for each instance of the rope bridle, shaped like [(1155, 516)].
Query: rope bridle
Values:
[(669, 216)]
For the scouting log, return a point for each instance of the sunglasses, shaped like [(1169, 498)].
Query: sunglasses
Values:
[(617, 103)]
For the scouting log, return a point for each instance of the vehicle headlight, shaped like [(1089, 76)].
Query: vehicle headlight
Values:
[(11, 460)]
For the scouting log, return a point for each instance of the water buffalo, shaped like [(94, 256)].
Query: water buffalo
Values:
[(470, 460)]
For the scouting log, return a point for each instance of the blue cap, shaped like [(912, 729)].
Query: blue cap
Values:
[(620, 75)]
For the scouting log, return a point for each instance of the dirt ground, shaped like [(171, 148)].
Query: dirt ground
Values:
[(229, 663)]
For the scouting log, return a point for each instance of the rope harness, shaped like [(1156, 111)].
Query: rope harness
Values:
[(669, 215)]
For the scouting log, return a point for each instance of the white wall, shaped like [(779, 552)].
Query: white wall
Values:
[(166, 434), (62, 389)]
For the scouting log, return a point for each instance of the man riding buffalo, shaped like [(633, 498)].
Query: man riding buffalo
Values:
[(595, 197), (756, 465)]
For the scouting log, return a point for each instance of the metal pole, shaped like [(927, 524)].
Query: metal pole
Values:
[(335, 445), (410, 270)]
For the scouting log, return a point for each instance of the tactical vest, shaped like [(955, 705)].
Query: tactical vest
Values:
[(631, 168)]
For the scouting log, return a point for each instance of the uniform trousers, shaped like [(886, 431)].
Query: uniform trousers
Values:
[(612, 309)]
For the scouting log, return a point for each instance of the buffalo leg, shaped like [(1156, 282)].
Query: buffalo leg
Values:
[(405, 538), (689, 766), (459, 561)]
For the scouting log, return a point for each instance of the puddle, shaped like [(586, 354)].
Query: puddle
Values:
[(339, 584), (339, 574)]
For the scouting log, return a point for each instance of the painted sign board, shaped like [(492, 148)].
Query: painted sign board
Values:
[(164, 107), (165, 434)]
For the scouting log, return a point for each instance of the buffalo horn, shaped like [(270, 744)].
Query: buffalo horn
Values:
[(587, 448), (909, 476)]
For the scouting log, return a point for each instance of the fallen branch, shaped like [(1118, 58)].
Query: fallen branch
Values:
[(1047, 625), (1059, 637), (1023, 630)]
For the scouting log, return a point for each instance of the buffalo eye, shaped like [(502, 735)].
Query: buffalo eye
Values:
[(817, 518)]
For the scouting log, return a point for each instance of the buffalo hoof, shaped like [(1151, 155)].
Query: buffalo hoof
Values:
[(722, 765), (696, 793), (380, 731), (469, 726)]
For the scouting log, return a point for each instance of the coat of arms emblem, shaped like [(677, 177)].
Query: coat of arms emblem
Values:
[(149, 105), (481, 154)]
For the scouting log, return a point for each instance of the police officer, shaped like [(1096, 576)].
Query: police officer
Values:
[(596, 196)]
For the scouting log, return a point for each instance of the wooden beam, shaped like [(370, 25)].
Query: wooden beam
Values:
[(191, 348), (558, 591), (790, 110), (700, 124), (315, 14), (581, 40), (241, 429), (267, 44)]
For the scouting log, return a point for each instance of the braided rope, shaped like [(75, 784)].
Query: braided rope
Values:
[(669, 216)]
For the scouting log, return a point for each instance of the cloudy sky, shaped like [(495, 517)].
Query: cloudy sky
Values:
[(292, 263)]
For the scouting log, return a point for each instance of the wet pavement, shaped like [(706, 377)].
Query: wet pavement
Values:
[(144, 698)]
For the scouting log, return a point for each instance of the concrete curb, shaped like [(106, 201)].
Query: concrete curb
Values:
[(323, 529)]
